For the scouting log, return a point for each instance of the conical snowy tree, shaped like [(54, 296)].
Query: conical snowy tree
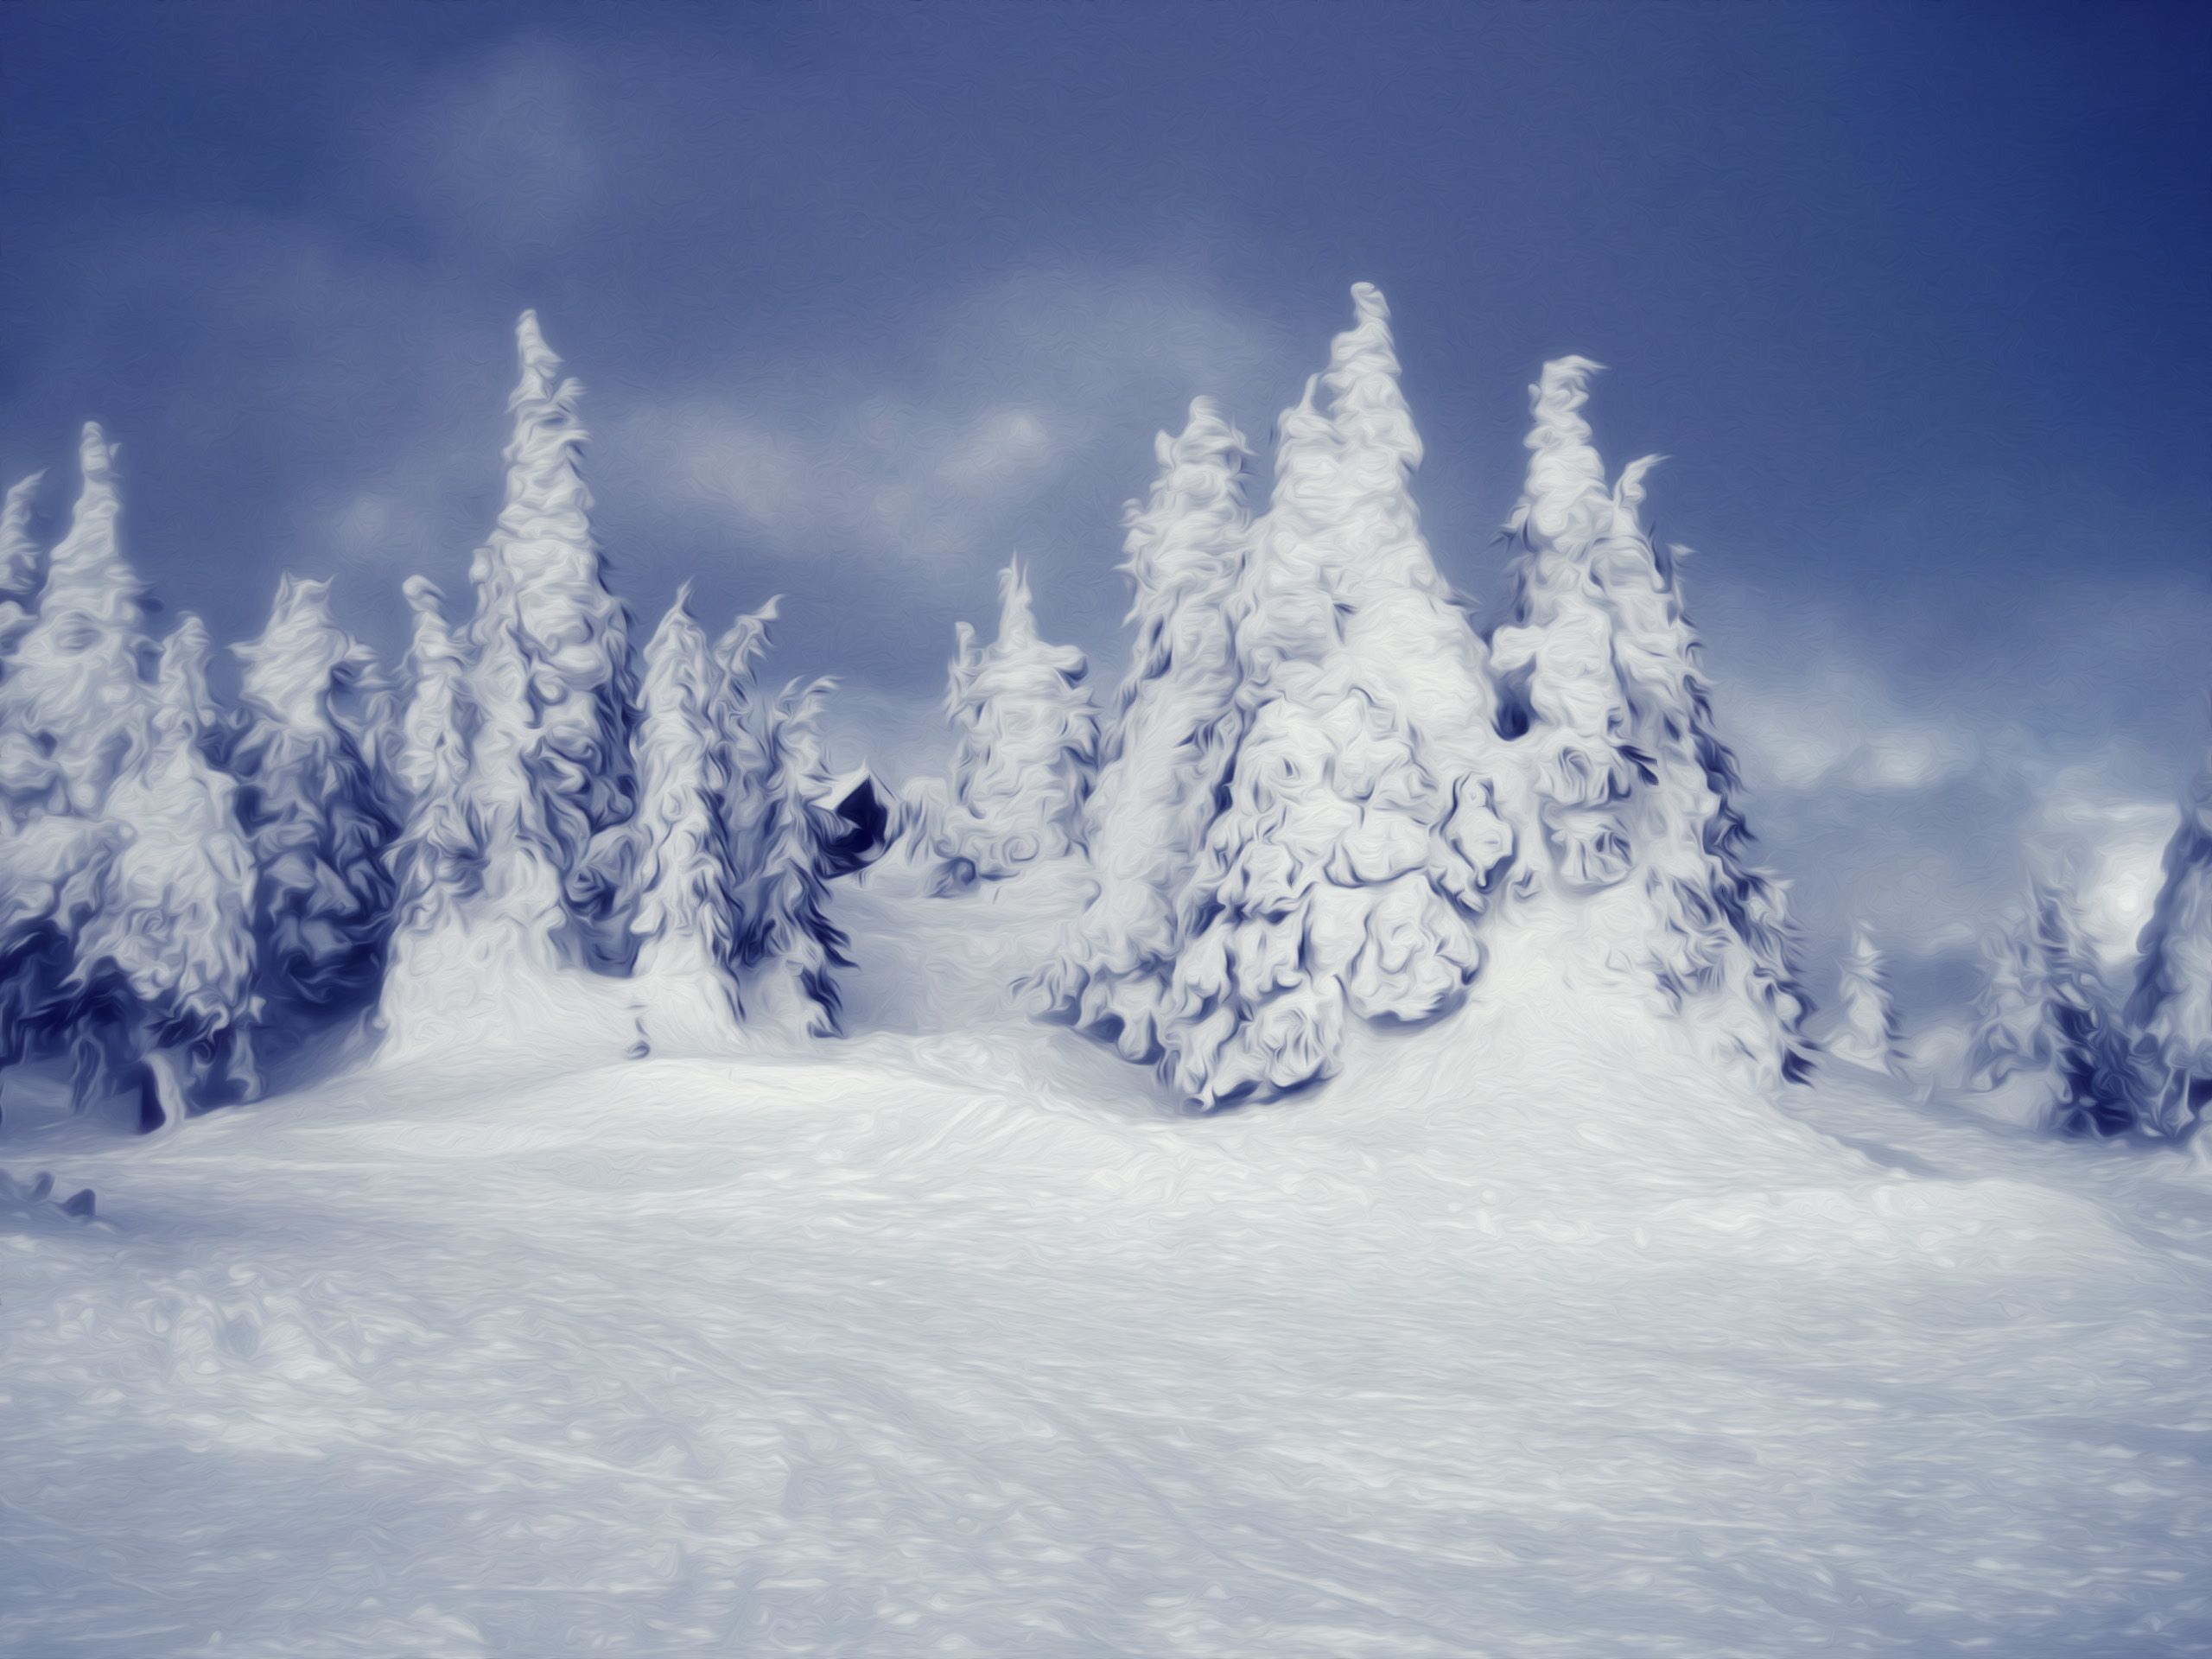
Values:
[(2044, 1023), (1027, 745), (75, 713), (2097, 1087), (310, 807), (551, 781), (1360, 839), (1172, 737), (2171, 1006), (791, 948), (19, 562), (1633, 795), (75, 704), (683, 905), (173, 930), (739, 717), (2008, 1037), (1866, 1028), (437, 860)]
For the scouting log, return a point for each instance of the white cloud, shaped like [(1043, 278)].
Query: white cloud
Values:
[(1843, 728), (910, 481)]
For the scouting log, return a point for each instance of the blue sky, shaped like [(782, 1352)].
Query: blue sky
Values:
[(867, 298)]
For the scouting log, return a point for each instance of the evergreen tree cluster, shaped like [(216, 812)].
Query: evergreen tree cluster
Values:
[(2102, 1065), (1325, 796), (184, 887)]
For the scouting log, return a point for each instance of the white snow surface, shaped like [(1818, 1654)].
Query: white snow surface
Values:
[(950, 1338)]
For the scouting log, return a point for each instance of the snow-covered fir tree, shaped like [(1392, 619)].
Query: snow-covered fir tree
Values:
[(1866, 1025), (682, 905), (740, 715), (311, 809), (2046, 1022), (1027, 747), (1169, 744), (19, 564), (2099, 1089), (2171, 1005), (792, 950), (774, 832), (74, 705), (437, 860), (2008, 1037), (551, 781), (1360, 839), (1633, 793), (171, 937), (75, 715)]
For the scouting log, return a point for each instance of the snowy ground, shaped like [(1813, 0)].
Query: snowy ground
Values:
[(958, 1345)]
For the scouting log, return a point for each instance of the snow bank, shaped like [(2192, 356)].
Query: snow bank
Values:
[(831, 1358)]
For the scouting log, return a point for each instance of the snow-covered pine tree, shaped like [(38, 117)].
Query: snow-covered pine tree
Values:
[(1867, 1028), (2044, 1022), (437, 860), (1360, 838), (311, 810), (75, 713), (682, 905), (791, 948), (1168, 747), (1027, 747), (171, 938), (2171, 1006), (739, 717), (2096, 1087), (1634, 793), (19, 571), (2008, 1034), (552, 784), (74, 705)]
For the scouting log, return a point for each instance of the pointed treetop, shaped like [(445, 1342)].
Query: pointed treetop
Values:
[(85, 571), (541, 396), (95, 454), (1201, 471), (188, 643), (1304, 437), (1017, 622), (1565, 498), (181, 681), (537, 357), (434, 635), (746, 638), (1208, 437), (301, 655), (1627, 489), (18, 552), (677, 624), (1366, 403), (424, 597)]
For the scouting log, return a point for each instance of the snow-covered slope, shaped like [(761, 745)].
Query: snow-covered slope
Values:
[(949, 1340)]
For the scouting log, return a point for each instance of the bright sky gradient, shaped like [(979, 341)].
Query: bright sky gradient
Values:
[(867, 297)]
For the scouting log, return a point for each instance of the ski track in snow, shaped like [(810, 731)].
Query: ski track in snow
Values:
[(959, 1343)]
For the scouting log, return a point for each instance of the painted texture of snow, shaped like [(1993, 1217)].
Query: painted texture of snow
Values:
[(951, 1340)]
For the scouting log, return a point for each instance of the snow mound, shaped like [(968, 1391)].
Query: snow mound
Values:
[(777, 1354)]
